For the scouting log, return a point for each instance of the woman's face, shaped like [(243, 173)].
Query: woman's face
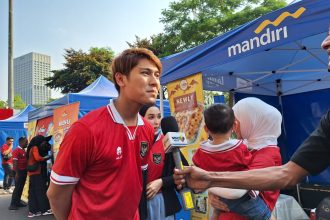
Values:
[(153, 116)]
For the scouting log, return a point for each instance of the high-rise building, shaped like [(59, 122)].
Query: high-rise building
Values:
[(29, 73)]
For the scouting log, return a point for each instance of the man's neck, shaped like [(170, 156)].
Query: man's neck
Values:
[(128, 110)]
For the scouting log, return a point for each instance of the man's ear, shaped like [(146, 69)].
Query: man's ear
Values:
[(120, 79)]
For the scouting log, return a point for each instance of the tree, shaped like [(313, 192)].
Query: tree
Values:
[(3, 104), (188, 23), (81, 69), (19, 103)]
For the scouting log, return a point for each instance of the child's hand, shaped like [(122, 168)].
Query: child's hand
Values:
[(216, 203)]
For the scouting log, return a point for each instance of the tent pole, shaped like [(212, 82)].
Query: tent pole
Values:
[(161, 104), (231, 99)]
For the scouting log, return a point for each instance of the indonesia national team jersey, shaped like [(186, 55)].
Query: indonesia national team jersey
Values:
[(103, 157), (232, 155), (156, 160), (19, 155)]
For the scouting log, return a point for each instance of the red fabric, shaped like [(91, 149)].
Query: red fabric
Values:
[(19, 155), (105, 164), (236, 159), (3, 149), (156, 160), (6, 113), (34, 157), (265, 157)]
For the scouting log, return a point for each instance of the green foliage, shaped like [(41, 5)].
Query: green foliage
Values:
[(81, 69), (18, 102), (188, 23), (3, 104)]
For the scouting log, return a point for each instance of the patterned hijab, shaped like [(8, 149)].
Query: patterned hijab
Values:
[(260, 123)]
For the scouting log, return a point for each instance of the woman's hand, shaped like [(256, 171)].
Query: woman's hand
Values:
[(217, 203), (153, 188)]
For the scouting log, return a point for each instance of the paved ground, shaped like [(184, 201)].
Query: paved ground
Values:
[(6, 214)]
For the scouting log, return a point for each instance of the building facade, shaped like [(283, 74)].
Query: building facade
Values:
[(29, 73)]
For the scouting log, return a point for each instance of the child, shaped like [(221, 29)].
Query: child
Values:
[(226, 154)]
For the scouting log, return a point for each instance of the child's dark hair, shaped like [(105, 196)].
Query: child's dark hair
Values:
[(219, 118)]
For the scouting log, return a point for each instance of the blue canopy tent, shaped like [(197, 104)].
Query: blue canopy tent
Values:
[(277, 58), (14, 127), (93, 96)]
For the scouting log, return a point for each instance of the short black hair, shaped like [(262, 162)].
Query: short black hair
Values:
[(144, 109), (21, 139), (219, 118), (8, 138)]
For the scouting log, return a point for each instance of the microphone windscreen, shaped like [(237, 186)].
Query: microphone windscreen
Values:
[(169, 124)]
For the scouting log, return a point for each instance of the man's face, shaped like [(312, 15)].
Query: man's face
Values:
[(142, 84), (10, 142), (24, 143)]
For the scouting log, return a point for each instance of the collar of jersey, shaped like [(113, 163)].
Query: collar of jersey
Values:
[(227, 146), (116, 116)]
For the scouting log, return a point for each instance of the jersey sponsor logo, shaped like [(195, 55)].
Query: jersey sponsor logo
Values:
[(119, 153), (157, 158), (144, 148)]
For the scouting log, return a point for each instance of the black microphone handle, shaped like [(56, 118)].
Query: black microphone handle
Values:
[(177, 158)]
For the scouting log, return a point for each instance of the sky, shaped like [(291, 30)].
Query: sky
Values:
[(50, 26)]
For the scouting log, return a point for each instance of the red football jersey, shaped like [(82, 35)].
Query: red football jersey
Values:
[(156, 160), (104, 158), (3, 149), (232, 155), (19, 155)]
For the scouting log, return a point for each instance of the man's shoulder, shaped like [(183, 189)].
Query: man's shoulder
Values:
[(4, 147), (147, 125), (95, 116)]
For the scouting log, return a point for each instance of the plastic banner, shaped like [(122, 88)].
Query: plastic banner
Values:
[(187, 105), (64, 117)]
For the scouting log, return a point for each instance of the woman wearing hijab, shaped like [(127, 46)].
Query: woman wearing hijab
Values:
[(259, 124), (38, 201), (162, 201)]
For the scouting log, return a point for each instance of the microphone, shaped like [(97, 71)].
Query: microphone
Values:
[(173, 141)]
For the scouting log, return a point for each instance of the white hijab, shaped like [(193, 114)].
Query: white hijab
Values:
[(260, 123)]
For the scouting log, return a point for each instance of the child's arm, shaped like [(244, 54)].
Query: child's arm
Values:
[(228, 193)]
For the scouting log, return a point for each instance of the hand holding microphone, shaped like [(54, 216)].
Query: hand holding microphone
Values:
[(173, 141)]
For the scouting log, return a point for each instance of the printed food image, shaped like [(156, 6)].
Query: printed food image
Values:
[(190, 122), (58, 137)]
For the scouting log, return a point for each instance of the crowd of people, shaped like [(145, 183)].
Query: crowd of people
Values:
[(112, 163), (27, 159)]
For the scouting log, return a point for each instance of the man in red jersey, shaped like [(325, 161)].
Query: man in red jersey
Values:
[(97, 173), (7, 163), (20, 163)]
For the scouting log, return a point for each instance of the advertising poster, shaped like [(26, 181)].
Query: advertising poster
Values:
[(44, 126), (31, 127), (187, 105), (64, 117)]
